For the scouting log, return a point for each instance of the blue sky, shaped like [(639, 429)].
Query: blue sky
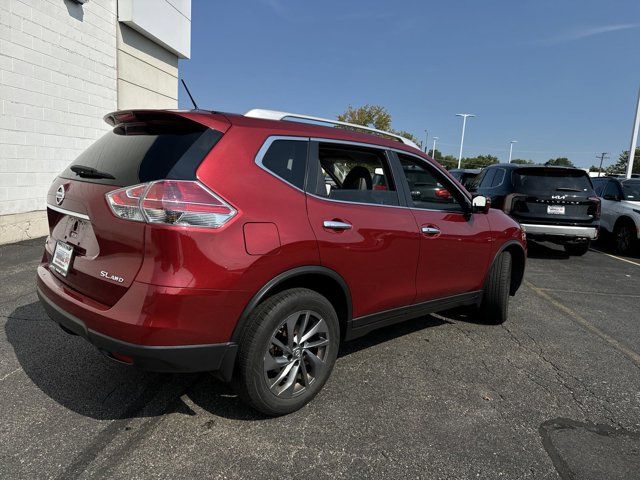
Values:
[(559, 76)]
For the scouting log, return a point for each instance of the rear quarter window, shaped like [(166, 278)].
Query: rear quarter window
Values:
[(287, 159)]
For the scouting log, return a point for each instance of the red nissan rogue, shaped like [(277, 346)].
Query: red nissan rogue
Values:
[(252, 245)]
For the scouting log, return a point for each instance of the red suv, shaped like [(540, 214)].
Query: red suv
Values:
[(250, 246)]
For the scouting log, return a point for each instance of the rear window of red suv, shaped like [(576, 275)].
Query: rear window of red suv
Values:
[(133, 154)]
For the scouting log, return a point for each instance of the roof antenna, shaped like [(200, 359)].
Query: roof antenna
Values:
[(189, 93)]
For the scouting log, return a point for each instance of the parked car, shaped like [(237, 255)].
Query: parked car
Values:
[(250, 246), (620, 211), (466, 176), (554, 204)]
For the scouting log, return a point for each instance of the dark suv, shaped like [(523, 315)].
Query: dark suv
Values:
[(554, 204), (250, 246)]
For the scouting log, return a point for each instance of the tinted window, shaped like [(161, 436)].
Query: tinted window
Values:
[(288, 160), (611, 190), (427, 186), (598, 185), (545, 180), (631, 190), (354, 174), (487, 179), (498, 178), (468, 180), (137, 154)]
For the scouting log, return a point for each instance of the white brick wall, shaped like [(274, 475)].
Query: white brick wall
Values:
[(57, 80)]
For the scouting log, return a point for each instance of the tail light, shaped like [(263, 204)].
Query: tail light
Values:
[(442, 193), (509, 200), (596, 202), (171, 202)]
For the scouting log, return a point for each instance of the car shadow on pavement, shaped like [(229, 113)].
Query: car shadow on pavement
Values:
[(540, 250), (75, 375)]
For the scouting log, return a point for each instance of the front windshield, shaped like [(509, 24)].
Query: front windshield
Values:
[(631, 190)]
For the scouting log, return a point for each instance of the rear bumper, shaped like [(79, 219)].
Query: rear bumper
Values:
[(565, 231), (218, 357)]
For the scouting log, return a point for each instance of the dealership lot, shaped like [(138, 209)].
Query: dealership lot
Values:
[(552, 393)]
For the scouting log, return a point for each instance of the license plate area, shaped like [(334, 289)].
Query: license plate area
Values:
[(555, 209), (62, 258)]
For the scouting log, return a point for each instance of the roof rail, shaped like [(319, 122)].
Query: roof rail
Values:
[(275, 115)]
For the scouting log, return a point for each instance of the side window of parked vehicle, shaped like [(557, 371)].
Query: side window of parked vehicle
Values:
[(498, 177), (427, 185), (612, 191), (354, 173), (487, 179), (598, 185), (288, 160)]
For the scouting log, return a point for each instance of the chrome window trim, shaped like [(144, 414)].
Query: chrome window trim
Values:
[(355, 203), (64, 211), (272, 138)]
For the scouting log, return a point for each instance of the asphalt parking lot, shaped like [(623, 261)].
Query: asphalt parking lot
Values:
[(553, 393)]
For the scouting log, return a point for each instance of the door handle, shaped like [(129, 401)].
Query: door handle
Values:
[(336, 225), (431, 231)]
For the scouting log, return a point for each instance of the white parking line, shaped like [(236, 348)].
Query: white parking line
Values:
[(9, 374), (617, 258)]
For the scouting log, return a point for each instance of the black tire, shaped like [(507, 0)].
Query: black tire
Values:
[(624, 237), (266, 323), (494, 308), (577, 249)]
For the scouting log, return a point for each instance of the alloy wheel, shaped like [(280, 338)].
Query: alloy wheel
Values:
[(296, 354), (623, 239)]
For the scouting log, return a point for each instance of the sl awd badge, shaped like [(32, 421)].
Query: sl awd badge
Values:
[(108, 276)]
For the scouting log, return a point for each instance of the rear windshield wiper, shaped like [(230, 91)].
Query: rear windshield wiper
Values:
[(569, 189), (89, 172)]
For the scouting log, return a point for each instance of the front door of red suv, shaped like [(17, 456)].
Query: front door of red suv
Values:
[(455, 245), (363, 232)]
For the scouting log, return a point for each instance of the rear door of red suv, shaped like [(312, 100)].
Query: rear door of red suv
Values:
[(363, 228), (105, 252)]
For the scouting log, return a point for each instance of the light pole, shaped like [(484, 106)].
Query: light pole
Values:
[(433, 150), (426, 141), (464, 126), (634, 139), (511, 148)]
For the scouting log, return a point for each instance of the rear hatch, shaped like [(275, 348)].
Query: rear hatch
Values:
[(552, 195), (105, 251)]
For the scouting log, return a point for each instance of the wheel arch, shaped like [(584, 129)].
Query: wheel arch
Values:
[(321, 279), (518, 262), (622, 219)]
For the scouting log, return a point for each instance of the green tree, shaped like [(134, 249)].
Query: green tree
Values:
[(522, 161), (559, 162), (480, 161), (448, 161), (373, 116), (435, 154), (367, 115), (623, 160)]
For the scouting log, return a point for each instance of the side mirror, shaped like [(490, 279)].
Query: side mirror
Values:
[(613, 198), (481, 204)]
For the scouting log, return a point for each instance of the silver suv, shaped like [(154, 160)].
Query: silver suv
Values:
[(620, 214)]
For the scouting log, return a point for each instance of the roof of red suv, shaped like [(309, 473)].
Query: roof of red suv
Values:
[(222, 121)]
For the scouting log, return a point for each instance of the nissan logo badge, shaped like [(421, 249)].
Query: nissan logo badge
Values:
[(60, 194)]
